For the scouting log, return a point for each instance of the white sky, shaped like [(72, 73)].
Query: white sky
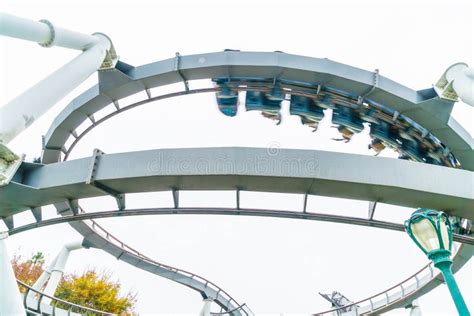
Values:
[(274, 265)]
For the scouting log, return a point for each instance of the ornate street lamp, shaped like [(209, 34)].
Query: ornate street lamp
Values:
[(432, 232)]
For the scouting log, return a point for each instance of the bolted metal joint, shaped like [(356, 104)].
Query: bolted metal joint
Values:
[(111, 57), (52, 36)]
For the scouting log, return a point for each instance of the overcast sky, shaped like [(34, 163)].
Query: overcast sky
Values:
[(274, 265)]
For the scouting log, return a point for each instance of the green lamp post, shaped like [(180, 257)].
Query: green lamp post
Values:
[(432, 232)]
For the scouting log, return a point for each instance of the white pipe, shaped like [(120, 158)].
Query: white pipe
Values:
[(462, 78), (44, 33), (10, 296), (43, 278), (415, 309), (206, 309), (40, 283), (58, 270), (19, 113)]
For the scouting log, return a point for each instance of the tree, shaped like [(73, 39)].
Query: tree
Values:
[(89, 289), (28, 271), (95, 290)]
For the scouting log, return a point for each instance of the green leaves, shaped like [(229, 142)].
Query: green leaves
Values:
[(89, 289), (96, 290)]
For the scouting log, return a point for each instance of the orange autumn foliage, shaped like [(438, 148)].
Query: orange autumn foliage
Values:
[(90, 289)]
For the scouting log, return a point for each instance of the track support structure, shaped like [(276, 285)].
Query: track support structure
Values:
[(10, 296)]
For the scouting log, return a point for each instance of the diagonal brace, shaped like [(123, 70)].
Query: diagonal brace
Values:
[(119, 196)]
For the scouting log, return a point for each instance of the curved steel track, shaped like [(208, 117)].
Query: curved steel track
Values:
[(427, 113), (468, 240), (410, 288)]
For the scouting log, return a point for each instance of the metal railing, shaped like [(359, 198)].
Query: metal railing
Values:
[(219, 291), (67, 307), (406, 287), (242, 307), (370, 300), (292, 88)]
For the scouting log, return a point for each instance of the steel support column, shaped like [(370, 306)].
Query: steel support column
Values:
[(10, 296), (57, 270)]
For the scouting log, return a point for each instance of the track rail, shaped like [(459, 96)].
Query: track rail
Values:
[(126, 80), (407, 290), (207, 288), (423, 109), (219, 211), (36, 305)]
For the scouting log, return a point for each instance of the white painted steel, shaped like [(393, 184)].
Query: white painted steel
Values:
[(415, 309), (206, 309), (44, 33), (10, 297), (43, 278), (19, 113), (58, 270), (462, 77)]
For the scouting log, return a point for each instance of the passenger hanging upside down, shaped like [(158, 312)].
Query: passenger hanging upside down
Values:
[(276, 116), (311, 123), (377, 145), (346, 134)]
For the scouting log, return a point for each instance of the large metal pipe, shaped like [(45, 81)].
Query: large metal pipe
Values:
[(44, 33), (58, 269), (43, 279), (460, 78), (206, 309), (10, 297), (19, 113)]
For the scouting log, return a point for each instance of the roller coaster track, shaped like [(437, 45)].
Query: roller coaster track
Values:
[(403, 185)]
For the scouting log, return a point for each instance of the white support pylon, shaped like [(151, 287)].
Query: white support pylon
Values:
[(97, 53), (56, 272), (10, 296), (457, 81), (206, 309), (22, 111), (41, 281), (415, 309)]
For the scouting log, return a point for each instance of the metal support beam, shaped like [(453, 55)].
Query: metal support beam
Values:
[(175, 192), (57, 270), (10, 296), (37, 213), (72, 207), (9, 222), (176, 66), (22, 111), (457, 80), (17, 115), (93, 165), (372, 206), (375, 85), (305, 202), (237, 198), (206, 309), (414, 308), (119, 196), (44, 33)]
